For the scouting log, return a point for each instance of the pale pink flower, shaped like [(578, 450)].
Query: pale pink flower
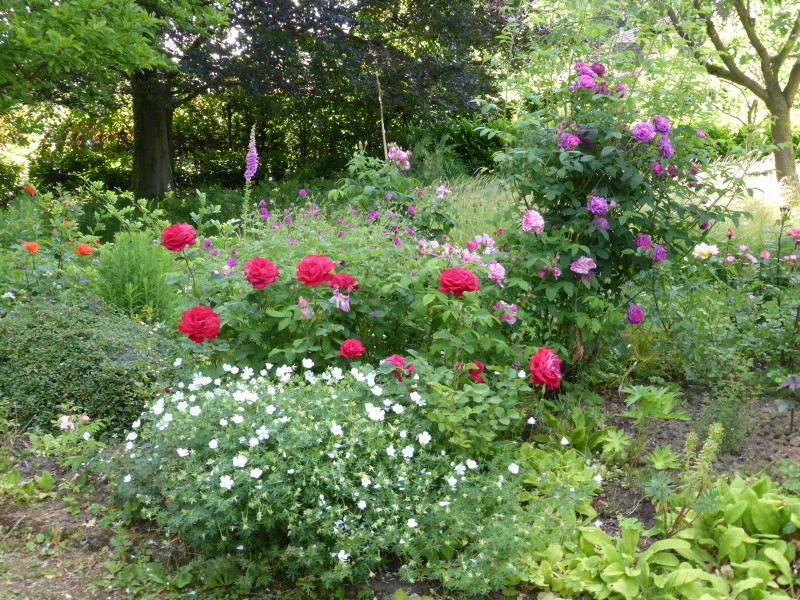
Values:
[(532, 221)]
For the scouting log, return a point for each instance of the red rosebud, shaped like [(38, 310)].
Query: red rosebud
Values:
[(476, 372)]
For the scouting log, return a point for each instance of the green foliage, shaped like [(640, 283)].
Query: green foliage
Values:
[(9, 180), (69, 169), (731, 405), (336, 474), (58, 358), (131, 276)]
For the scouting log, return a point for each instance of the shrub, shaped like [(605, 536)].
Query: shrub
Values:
[(69, 357), (131, 276), (329, 476)]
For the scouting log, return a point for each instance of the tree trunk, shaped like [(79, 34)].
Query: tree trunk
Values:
[(782, 139), (152, 132)]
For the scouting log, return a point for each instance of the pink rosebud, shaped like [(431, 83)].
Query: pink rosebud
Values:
[(730, 233), (472, 245), (765, 255)]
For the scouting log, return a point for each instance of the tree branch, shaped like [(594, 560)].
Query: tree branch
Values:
[(792, 83), (788, 46), (750, 29), (732, 73)]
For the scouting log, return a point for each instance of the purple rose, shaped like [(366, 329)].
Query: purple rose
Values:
[(568, 141), (643, 132), (657, 168), (597, 205), (621, 90), (661, 125), (635, 314), (673, 171), (643, 241), (659, 254), (586, 81), (705, 225), (666, 149), (598, 68), (701, 134), (601, 223)]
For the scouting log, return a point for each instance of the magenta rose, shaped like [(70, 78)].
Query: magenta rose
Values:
[(200, 323), (260, 272), (458, 280), (177, 237), (351, 349), (343, 281), (315, 270), (545, 368)]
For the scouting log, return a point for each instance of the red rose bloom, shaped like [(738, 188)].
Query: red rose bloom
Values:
[(351, 348), (84, 249), (315, 270), (343, 281), (30, 190), (177, 237), (476, 372), (458, 281), (545, 368), (399, 362), (260, 272), (199, 323)]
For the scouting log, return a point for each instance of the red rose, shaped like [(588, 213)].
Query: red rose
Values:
[(545, 368), (177, 237), (260, 272), (458, 281), (84, 249), (199, 323), (399, 362), (30, 190), (314, 270), (343, 281), (476, 372), (351, 348)]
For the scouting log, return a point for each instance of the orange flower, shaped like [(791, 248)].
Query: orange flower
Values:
[(31, 246), (30, 190), (84, 249)]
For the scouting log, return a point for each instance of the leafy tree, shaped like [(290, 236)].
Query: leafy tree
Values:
[(71, 51), (761, 56)]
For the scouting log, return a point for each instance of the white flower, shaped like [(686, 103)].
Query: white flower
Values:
[(564, 441), (424, 438), (460, 469), (213, 444), (391, 451), (366, 481), (247, 373), (598, 523), (239, 461), (337, 374), (531, 421), (270, 409), (452, 481), (226, 367), (223, 422), (362, 505), (262, 433), (256, 473), (598, 478), (521, 374), (182, 406), (132, 436), (408, 451), (87, 435), (412, 523), (472, 464), (290, 471), (194, 411), (514, 468), (126, 479), (234, 370), (178, 362), (136, 424), (417, 399), (377, 390), (404, 434), (268, 366), (307, 363), (343, 556), (336, 429), (445, 503), (310, 377), (183, 452), (253, 442), (398, 409), (237, 418), (374, 413), (705, 251), (225, 482)]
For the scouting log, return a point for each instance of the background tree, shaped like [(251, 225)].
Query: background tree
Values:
[(759, 55)]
